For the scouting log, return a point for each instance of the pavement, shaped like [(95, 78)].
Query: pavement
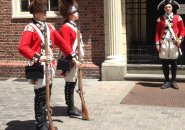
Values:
[(103, 101)]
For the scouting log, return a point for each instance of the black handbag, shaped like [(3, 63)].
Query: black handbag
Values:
[(63, 64), (36, 71)]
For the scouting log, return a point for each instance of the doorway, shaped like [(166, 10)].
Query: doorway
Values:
[(141, 16)]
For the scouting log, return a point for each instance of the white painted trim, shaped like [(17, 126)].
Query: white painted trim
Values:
[(17, 14)]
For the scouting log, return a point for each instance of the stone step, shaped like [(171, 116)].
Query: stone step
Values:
[(150, 69), (150, 77)]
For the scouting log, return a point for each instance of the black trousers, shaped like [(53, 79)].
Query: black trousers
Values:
[(165, 66), (40, 107)]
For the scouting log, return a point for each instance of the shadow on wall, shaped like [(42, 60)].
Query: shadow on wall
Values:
[(92, 28)]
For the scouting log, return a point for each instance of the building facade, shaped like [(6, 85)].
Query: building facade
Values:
[(116, 33)]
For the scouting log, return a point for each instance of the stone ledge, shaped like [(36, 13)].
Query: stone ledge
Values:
[(16, 69), (24, 63), (5, 63)]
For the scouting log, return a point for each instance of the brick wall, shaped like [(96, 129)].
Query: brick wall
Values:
[(92, 27)]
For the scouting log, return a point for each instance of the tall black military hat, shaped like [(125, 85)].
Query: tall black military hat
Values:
[(165, 2), (68, 7), (37, 6)]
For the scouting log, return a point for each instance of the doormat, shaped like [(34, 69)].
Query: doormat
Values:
[(150, 93)]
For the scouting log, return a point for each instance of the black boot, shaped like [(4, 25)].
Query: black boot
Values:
[(174, 85), (174, 73), (40, 109), (166, 85), (165, 65), (69, 97)]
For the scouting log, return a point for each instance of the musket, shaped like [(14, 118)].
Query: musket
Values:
[(85, 113), (177, 43), (180, 54), (51, 126)]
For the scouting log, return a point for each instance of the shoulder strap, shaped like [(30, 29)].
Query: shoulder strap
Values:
[(38, 31), (42, 36), (71, 26)]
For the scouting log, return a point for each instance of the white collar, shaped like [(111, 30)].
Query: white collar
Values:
[(72, 22), (168, 15)]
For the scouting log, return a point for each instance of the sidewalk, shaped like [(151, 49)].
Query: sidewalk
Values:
[(103, 101)]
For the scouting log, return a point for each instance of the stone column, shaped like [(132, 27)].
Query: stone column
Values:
[(114, 66)]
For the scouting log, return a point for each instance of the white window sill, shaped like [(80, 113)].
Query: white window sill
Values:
[(27, 15)]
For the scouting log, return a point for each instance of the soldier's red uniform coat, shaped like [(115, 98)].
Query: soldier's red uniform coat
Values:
[(69, 34), (178, 27), (30, 43)]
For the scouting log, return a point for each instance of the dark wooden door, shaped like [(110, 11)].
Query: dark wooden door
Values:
[(152, 15)]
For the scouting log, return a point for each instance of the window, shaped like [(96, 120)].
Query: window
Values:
[(20, 9)]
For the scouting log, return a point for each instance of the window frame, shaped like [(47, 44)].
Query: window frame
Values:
[(16, 13)]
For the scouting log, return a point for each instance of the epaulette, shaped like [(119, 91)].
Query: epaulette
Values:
[(180, 18), (28, 28), (158, 20)]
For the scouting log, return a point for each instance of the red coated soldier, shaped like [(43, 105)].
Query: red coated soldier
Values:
[(31, 46), (169, 36), (68, 31)]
